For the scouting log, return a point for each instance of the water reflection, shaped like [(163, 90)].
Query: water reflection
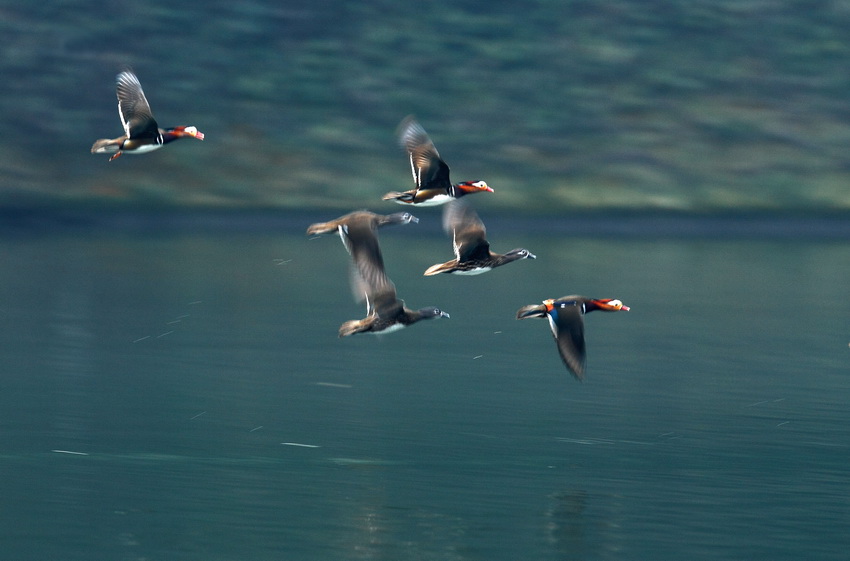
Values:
[(70, 353)]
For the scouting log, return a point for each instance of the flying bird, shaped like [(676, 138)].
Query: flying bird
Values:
[(566, 318), (430, 172), (472, 250), (385, 312), (141, 132)]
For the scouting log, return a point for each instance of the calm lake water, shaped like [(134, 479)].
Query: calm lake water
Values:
[(183, 395)]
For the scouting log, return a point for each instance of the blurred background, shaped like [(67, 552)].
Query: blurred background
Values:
[(560, 106), (173, 386)]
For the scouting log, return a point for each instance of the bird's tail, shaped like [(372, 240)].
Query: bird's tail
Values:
[(349, 328), (321, 228), (436, 269), (397, 197), (532, 311), (104, 146)]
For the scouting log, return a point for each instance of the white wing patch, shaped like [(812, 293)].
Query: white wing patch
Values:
[(455, 245), (417, 173), (124, 122), (552, 325), (343, 235)]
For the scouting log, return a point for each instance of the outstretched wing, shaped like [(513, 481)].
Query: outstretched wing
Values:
[(467, 231), (429, 170), (368, 278), (133, 107)]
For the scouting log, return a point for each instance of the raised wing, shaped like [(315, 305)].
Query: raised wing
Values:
[(467, 231), (133, 108), (429, 170), (368, 278)]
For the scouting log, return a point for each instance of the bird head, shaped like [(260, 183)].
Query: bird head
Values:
[(609, 305), (402, 218), (188, 131), (473, 186), (432, 312), (520, 253)]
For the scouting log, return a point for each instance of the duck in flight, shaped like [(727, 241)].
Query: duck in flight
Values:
[(430, 172), (141, 132), (375, 221), (566, 319), (472, 250), (385, 312)]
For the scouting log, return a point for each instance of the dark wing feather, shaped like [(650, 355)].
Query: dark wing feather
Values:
[(386, 304), (467, 231), (133, 108), (429, 170), (368, 276), (567, 326)]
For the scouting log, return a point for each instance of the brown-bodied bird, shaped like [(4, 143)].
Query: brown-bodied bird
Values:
[(472, 250), (141, 133), (430, 172), (385, 313), (566, 320), (376, 221)]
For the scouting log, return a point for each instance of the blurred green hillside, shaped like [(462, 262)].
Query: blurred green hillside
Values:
[(689, 105)]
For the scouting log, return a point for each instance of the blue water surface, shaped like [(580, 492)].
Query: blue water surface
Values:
[(183, 394)]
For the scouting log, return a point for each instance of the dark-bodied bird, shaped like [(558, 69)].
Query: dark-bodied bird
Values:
[(141, 133), (385, 313), (472, 250), (566, 320), (430, 172)]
